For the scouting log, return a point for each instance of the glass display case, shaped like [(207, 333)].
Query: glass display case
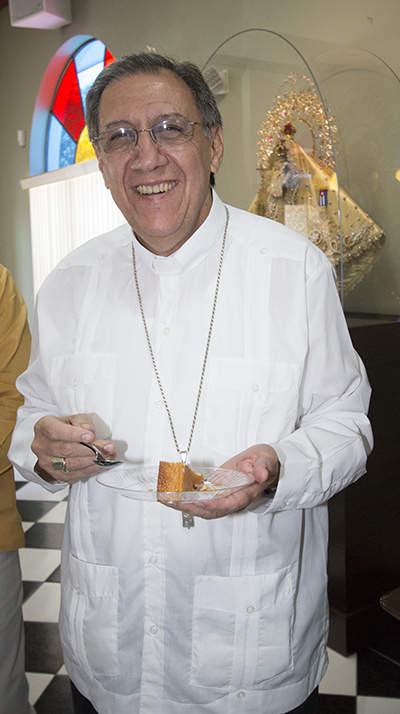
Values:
[(342, 107)]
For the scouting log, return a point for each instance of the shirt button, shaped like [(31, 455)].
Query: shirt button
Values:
[(158, 404), (255, 387), (241, 695), (250, 609), (74, 383), (153, 629), (166, 331), (153, 560), (100, 257), (263, 250), (78, 590)]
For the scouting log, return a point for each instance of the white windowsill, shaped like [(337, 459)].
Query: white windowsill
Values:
[(67, 172)]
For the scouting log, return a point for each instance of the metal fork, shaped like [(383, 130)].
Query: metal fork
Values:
[(100, 460)]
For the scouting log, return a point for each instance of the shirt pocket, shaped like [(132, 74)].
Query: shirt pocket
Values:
[(85, 383), (249, 401), (89, 616), (242, 630)]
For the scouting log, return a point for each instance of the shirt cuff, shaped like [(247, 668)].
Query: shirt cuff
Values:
[(291, 484)]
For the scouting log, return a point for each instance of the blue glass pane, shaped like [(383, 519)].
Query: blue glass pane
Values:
[(92, 53), (67, 149), (86, 79), (60, 147)]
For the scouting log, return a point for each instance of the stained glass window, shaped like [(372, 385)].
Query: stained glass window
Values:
[(59, 134)]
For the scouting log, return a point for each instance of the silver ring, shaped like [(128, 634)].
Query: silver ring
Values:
[(59, 464)]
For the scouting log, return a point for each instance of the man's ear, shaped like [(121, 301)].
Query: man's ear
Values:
[(217, 148)]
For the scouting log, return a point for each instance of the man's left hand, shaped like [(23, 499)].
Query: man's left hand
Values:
[(262, 462)]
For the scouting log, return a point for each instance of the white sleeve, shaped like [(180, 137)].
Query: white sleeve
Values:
[(328, 450)]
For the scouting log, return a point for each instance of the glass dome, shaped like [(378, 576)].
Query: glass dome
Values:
[(312, 139)]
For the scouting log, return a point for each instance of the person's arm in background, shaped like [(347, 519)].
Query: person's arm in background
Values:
[(14, 356)]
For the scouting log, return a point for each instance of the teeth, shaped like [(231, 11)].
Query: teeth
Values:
[(158, 188)]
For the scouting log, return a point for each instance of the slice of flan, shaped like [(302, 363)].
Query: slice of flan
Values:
[(173, 477)]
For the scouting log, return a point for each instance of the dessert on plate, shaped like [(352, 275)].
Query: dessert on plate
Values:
[(176, 477)]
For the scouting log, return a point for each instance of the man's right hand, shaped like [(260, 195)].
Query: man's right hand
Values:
[(62, 437)]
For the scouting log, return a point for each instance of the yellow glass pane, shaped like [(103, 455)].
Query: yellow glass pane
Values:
[(84, 148)]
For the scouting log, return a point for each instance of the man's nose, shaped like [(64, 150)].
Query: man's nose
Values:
[(147, 153)]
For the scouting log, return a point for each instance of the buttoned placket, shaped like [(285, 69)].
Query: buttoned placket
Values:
[(154, 603), (154, 559)]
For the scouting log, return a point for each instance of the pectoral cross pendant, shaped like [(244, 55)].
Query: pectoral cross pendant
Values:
[(187, 521)]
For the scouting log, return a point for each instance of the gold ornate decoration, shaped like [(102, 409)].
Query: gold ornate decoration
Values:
[(299, 187), (298, 105)]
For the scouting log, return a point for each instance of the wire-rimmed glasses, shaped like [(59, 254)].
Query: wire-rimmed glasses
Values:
[(170, 132)]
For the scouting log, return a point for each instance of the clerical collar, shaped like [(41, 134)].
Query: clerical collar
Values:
[(196, 248)]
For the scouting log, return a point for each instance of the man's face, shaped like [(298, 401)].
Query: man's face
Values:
[(164, 193)]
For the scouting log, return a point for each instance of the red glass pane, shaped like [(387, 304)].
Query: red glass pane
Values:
[(68, 104), (108, 58)]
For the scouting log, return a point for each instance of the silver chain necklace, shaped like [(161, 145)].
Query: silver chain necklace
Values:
[(183, 454)]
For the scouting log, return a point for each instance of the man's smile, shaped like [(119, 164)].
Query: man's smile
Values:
[(145, 189)]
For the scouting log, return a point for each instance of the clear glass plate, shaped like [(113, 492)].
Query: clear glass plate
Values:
[(141, 484)]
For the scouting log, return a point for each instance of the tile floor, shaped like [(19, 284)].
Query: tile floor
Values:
[(366, 683)]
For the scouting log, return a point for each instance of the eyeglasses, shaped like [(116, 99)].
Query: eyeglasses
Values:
[(170, 132)]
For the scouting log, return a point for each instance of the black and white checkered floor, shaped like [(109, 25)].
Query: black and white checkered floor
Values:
[(366, 683)]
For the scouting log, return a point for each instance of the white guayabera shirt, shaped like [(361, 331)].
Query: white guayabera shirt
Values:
[(229, 616)]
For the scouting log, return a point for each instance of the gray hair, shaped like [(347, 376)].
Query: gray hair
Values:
[(152, 63)]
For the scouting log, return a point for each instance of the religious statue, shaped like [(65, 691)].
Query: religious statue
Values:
[(299, 187)]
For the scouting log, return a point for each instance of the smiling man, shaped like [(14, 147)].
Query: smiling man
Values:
[(199, 332)]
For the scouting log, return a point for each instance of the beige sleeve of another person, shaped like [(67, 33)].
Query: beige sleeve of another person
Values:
[(14, 356)]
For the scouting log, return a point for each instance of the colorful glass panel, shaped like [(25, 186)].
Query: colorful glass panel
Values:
[(59, 135), (60, 146), (68, 103), (86, 79), (84, 148), (90, 54), (109, 58), (89, 61)]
